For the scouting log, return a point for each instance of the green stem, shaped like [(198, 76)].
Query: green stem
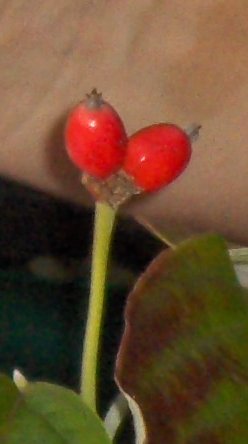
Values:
[(103, 228)]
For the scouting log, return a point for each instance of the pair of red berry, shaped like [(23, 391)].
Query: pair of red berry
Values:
[(97, 143)]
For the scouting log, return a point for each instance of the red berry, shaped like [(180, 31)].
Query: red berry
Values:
[(95, 137), (156, 155)]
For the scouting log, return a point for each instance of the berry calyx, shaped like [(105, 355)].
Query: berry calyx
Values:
[(156, 155), (95, 137)]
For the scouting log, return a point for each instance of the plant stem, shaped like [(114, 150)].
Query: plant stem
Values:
[(103, 228)]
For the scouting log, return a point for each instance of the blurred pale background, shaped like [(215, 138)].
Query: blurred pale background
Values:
[(155, 60)]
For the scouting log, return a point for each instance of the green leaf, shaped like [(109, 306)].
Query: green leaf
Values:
[(8, 398), (183, 356), (47, 414)]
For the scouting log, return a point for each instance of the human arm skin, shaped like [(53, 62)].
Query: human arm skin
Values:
[(181, 61)]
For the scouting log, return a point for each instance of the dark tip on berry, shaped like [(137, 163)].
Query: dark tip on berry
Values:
[(94, 99), (193, 131)]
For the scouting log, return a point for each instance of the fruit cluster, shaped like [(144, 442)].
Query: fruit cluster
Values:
[(116, 165)]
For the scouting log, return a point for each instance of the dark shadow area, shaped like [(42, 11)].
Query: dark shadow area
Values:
[(41, 320)]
